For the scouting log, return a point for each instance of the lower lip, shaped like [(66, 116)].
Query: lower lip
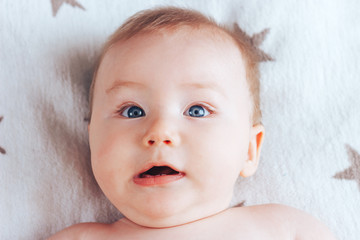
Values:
[(158, 180)]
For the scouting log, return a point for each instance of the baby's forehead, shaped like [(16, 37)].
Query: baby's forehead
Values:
[(200, 55), (203, 35), (207, 33), (189, 43)]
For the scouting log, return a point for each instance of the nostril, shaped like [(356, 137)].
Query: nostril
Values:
[(152, 142)]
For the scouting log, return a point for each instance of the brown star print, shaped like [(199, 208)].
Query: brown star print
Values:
[(56, 5), (1, 149), (254, 42), (352, 172)]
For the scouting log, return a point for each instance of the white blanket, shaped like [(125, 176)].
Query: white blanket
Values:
[(310, 101)]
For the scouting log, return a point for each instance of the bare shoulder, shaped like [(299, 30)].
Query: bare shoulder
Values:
[(299, 224), (82, 231)]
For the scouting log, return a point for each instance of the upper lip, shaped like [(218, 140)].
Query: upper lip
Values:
[(156, 164)]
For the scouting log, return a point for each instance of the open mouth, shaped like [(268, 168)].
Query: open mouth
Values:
[(158, 171), (158, 175)]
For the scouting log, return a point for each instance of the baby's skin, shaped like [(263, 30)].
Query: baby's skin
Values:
[(170, 133), (263, 222)]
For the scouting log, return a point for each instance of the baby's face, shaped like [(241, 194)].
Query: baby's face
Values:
[(170, 126)]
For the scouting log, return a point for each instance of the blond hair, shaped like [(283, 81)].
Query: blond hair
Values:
[(172, 18)]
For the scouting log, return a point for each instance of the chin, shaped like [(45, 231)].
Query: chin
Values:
[(160, 217)]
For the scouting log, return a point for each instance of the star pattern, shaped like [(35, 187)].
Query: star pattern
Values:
[(56, 5), (254, 42), (2, 151), (352, 172)]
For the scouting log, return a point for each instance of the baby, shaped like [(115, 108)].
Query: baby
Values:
[(175, 119)]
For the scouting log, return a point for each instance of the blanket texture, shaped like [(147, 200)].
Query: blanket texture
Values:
[(309, 97)]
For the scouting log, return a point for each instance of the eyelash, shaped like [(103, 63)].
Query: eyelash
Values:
[(207, 108), (126, 106)]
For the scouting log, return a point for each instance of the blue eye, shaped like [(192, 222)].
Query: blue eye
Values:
[(132, 112), (197, 111)]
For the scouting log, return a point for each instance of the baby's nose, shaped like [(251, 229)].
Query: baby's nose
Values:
[(161, 133), (157, 140), (152, 142)]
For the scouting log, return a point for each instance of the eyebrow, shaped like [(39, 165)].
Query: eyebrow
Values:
[(118, 84), (123, 84), (207, 85)]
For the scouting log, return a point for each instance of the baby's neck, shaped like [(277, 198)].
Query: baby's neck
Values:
[(231, 223), (127, 222)]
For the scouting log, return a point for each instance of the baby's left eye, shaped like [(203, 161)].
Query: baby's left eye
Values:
[(132, 112), (197, 111)]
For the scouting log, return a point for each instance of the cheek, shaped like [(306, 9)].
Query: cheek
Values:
[(219, 150), (216, 158), (111, 153)]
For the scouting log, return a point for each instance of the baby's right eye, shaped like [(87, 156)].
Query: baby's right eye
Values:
[(132, 112)]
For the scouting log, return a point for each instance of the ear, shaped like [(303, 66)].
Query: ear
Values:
[(256, 139)]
